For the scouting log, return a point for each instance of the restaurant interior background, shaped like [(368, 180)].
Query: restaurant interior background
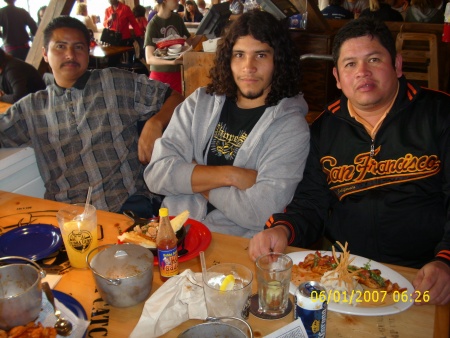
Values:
[(96, 7)]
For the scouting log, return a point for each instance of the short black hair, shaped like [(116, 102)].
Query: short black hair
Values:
[(139, 11), (365, 26), (65, 21)]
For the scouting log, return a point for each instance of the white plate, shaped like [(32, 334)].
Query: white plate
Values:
[(168, 57), (386, 273), (173, 56)]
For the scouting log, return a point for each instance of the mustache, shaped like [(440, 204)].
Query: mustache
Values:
[(69, 63)]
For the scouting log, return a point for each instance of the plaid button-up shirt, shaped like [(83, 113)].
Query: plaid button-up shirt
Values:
[(87, 135)]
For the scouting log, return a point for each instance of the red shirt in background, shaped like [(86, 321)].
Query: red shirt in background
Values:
[(124, 18)]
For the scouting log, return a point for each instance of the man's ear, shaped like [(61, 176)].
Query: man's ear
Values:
[(44, 54), (336, 76)]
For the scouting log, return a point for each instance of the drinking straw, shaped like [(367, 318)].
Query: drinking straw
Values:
[(88, 201), (203, 262)]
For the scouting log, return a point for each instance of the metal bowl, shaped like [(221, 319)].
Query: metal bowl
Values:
[(215, 327)]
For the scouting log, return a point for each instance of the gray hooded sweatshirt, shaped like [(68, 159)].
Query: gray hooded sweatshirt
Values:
[(277, 148)]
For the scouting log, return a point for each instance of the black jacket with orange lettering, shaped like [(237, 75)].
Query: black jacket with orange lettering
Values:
[(389, 198)]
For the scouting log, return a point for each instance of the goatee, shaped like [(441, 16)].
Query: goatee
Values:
[(252, 95)]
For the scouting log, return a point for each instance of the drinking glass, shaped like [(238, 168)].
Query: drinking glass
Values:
[(234, 302), (273, 272), (79, 232)]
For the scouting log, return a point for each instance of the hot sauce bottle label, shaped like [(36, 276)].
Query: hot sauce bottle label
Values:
[(168, 262)]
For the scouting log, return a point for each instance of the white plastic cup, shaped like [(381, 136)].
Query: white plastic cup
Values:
[(79, 232)]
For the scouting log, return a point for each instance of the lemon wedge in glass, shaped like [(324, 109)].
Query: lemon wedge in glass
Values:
[(227, 283)]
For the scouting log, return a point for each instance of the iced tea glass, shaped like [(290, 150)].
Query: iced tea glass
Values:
[(273, 273)]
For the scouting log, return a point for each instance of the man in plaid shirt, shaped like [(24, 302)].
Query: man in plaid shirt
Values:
[(83, 127)]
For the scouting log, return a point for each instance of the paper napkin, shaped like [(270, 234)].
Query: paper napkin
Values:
[(179, 299)]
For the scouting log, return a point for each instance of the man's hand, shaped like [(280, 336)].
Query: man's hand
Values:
[(275, 239), (434, 277), (150, 133)]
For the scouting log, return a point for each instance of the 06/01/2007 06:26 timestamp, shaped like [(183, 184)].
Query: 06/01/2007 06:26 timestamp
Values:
[(370, 296)]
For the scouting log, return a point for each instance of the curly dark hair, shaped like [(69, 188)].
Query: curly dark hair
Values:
[(364, 26), (266, 28)]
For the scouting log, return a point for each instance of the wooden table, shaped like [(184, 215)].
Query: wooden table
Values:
[(101, 52), (417, 321)]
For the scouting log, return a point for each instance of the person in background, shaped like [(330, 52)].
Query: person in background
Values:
[(14, 22), (378, 170), (139, 14), (164, 24), (355, 6), (400, 6), (40, 14), (235, 150), (81, 13), (83, 127), (191, 12), (424, 11), (335, 11), (119, 17), (17, 78), (201, 5), (153, 12), (378, 9), (181, 7)]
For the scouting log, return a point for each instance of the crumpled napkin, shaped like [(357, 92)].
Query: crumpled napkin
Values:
[(179, 299), (47, 317)]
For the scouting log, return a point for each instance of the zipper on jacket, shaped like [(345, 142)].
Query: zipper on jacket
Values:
[(372, 148)]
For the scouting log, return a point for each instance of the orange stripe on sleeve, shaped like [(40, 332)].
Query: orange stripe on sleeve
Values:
[(444, 254)]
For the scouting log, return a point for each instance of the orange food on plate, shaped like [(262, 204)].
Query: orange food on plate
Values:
[(315, 265), (31, 330)]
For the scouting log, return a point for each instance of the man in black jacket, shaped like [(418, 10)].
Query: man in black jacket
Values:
[(17, 78), (378, 172)]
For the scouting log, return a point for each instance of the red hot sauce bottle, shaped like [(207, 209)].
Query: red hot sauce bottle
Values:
[(166, 242)]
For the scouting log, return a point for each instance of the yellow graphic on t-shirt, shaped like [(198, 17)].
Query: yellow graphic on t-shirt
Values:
[(226, 144)]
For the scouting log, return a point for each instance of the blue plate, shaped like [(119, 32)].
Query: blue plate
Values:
[(34, 241), (71, 303)]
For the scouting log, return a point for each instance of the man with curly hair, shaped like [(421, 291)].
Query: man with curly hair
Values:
[(235, 150)]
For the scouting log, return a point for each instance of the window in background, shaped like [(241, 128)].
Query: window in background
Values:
[(95, 7), (32, 6)]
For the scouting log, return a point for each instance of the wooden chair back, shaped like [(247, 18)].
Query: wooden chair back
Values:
[(420, 57)]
